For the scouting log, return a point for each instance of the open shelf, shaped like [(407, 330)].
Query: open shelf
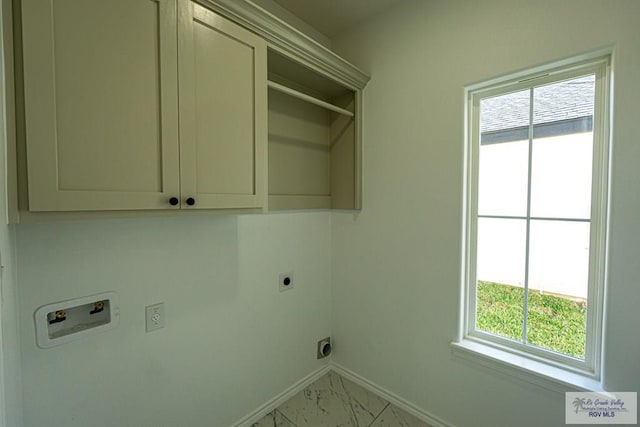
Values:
[(314, 147)]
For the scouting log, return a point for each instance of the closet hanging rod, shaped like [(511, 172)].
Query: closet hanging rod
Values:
[(305, 97)]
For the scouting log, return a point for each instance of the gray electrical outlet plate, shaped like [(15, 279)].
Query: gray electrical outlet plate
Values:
[(285, 281), (154, 315)]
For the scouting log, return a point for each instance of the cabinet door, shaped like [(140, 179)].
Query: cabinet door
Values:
[(101, 104), (223, 111)]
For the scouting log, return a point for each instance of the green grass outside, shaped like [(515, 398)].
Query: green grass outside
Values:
[(553, 322)]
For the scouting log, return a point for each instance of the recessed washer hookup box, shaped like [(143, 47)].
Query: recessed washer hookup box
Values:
[(65, 321)]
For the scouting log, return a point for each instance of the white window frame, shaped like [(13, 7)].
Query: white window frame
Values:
[(506, 351)]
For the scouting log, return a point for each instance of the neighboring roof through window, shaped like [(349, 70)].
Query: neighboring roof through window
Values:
[(507, 116)]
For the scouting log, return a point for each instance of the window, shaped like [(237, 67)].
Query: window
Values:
[(536, 214)]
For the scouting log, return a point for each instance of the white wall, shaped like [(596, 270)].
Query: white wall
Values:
[(396, 265), (10, 364), (231, 343), (10, 387), (10, 390)]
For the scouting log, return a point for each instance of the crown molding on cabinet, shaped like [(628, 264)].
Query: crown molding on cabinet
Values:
[(289, 41)]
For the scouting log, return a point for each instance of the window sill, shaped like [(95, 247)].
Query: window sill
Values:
[(532, 371)]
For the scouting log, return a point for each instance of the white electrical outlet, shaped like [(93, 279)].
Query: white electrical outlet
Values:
[(154, 317), (285, 281)]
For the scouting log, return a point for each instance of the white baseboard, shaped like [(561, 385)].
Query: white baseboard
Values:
[(272, 404), (389, 396)]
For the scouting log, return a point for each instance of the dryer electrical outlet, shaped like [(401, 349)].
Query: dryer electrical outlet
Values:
[(285, 281)]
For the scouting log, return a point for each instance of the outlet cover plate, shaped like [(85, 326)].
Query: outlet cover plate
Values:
[(285, 281), (154, 315)]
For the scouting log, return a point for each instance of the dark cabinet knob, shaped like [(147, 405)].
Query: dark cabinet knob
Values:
[(191, 201), (174, 201)]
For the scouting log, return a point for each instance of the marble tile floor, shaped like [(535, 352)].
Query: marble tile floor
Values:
[(334, 401)]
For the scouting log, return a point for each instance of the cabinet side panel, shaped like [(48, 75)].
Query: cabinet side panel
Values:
[(298, 147), (343, 157)]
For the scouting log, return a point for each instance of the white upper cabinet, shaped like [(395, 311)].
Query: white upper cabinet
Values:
[(157, 105), (222, 74), (101, 96), (102, 111)]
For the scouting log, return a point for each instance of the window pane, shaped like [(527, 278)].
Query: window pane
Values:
[(561, 176), (569, 101), (504, 135), (500, 274), (562, 149), (502, 181), (501, 117), (558, 278)]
